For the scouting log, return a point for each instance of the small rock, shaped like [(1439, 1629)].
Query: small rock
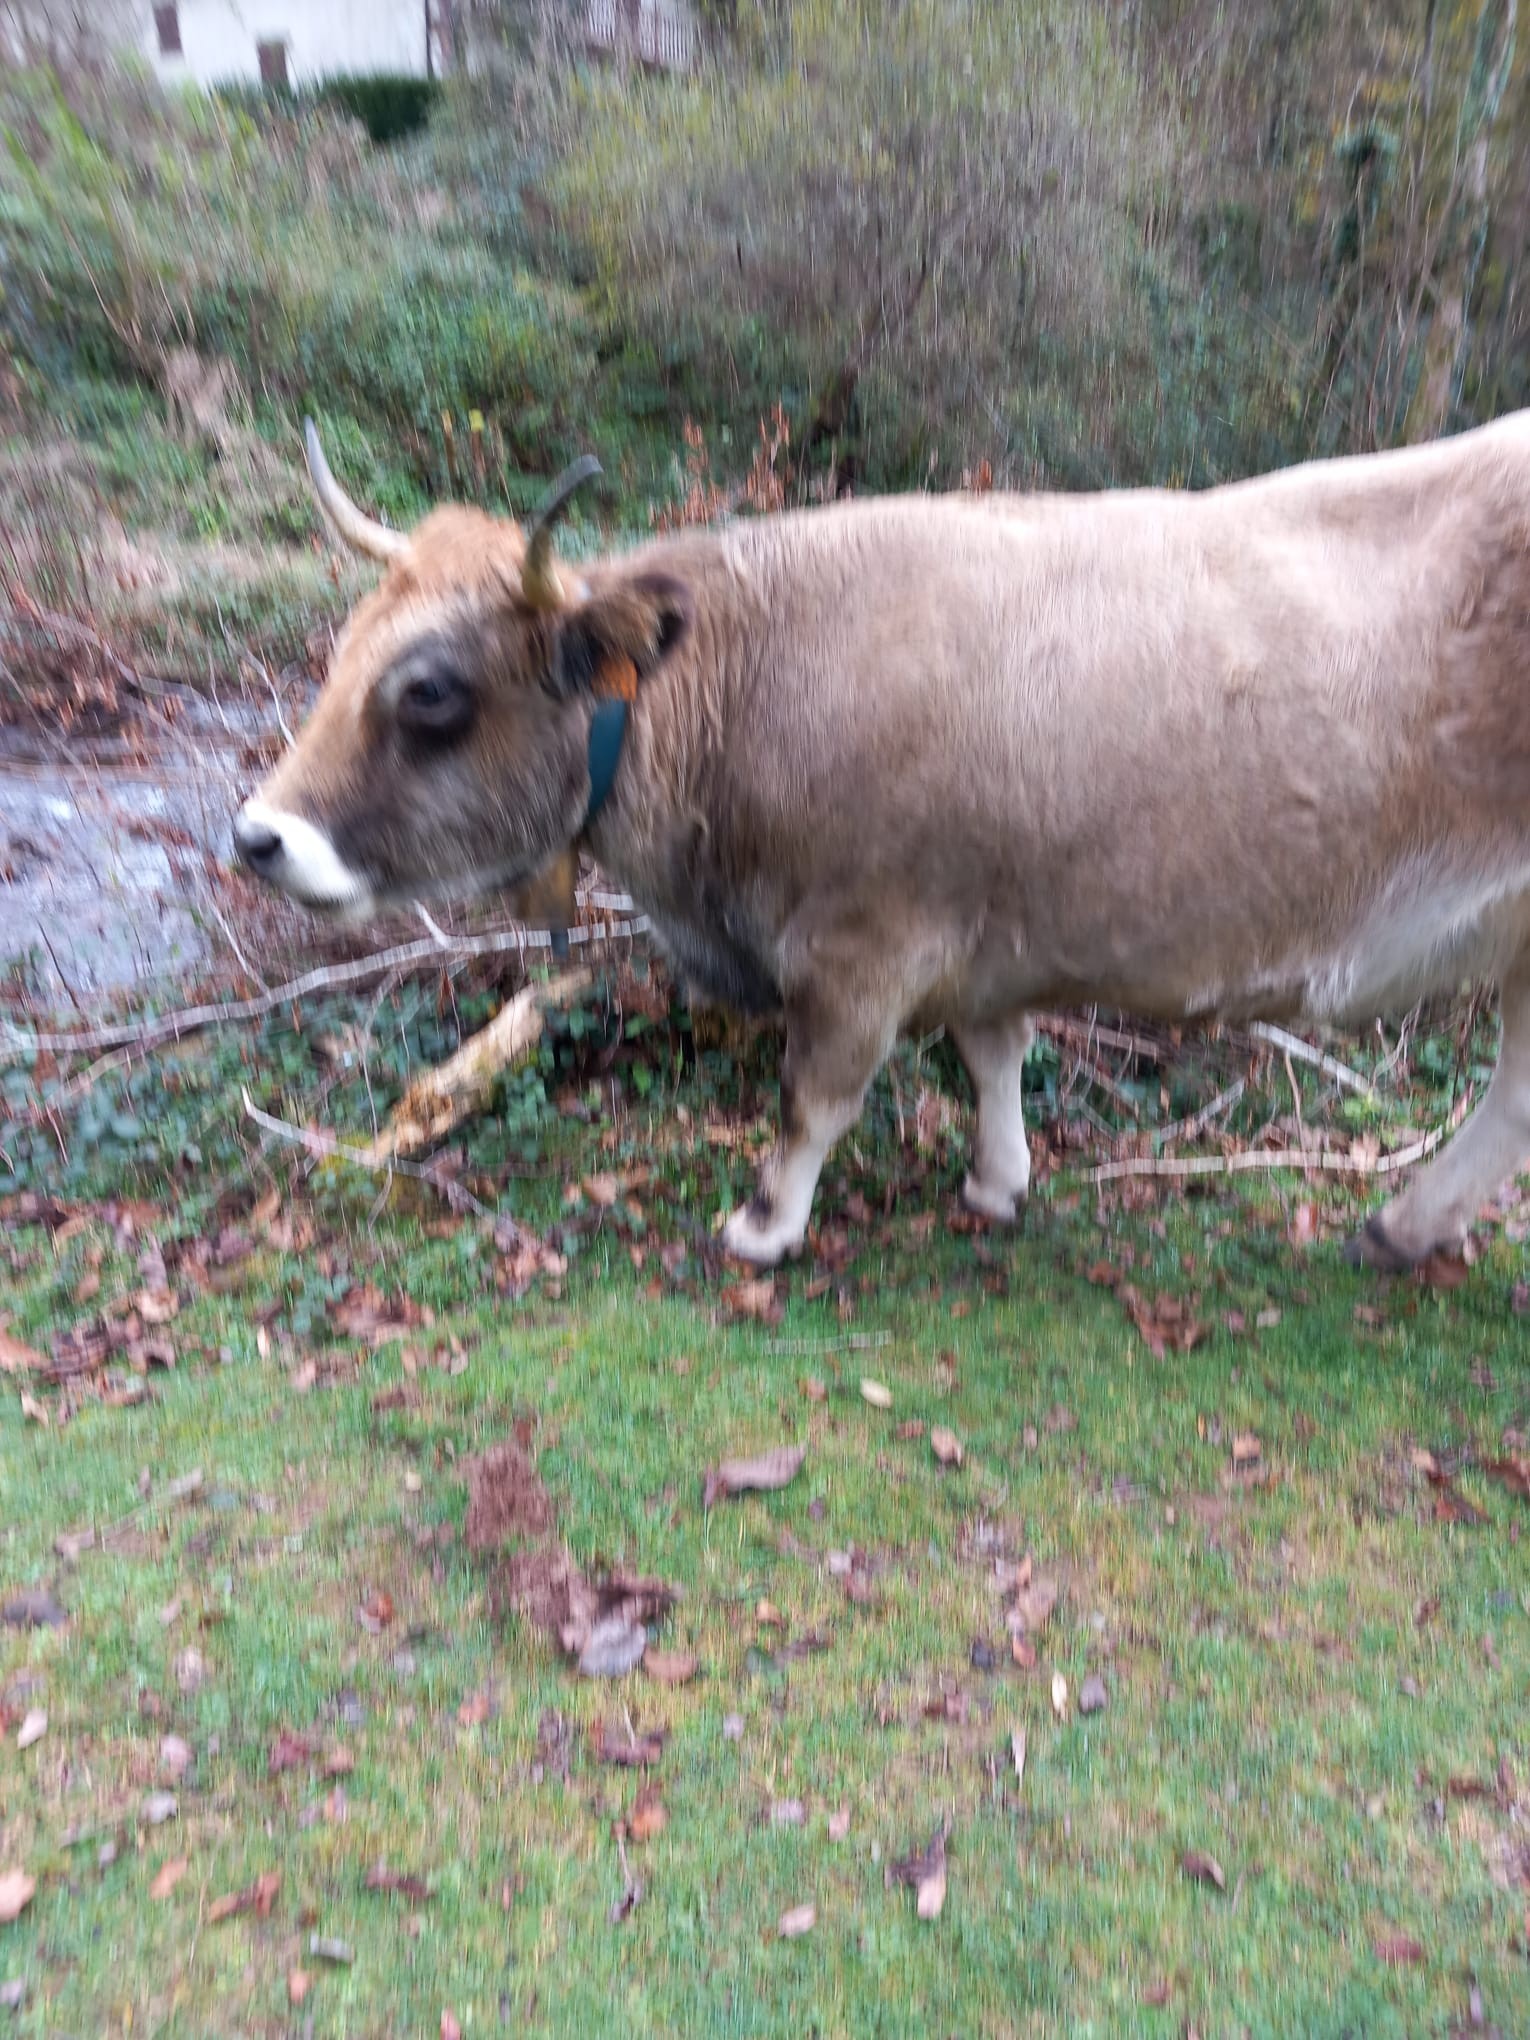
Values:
[(13, 1993), (328, 1949), (984, 1657), (190, 1670), (787, 1813), (174, 1756), (1092, 1695), (33, 1729), (160, 1807), (800, 1920), (733, 1727), (106, 1855)]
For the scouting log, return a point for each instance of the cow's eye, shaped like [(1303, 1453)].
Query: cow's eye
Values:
[(436, 703)]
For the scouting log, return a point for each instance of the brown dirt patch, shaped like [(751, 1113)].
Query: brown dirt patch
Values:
[(506, 1499)]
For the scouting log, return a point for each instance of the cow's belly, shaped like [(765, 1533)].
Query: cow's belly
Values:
[(1423, 935)]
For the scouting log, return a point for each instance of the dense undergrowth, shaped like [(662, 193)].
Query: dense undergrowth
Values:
[(1174, 246)]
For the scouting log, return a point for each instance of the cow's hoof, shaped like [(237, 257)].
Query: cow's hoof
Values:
[(1370, 1248), (1002, 1207), (763, 1242)]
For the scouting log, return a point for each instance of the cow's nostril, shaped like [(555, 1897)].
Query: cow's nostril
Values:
[(256, 841)]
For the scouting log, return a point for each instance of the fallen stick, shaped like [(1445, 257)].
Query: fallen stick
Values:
[(17, 1045), (1272, 1158), (324, 1147), (446, 1095), (1293, 1045)]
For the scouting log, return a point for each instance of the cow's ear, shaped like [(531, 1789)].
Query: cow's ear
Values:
[(618, 636)]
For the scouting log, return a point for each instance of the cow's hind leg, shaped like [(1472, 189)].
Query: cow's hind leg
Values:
[(832, 1054), (1443, 1199), (1000, 1176)]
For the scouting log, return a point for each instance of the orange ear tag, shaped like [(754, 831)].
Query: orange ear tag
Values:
[(616, 678)]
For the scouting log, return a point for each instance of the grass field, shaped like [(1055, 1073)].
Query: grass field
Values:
[(1282, 1551)]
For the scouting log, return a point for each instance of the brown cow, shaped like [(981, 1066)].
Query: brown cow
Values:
[(1262, 751)]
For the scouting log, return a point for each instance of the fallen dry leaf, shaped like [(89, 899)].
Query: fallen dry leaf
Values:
[(16, 1889), (159, 1807), (32, 1729), (31, 1407), (1059, 1696), (1203, 1868), (174, 1756), (475, 1709), (1246, 1449), (1032, 1605), (404, 1882), (1450, 1505), (932, 1895), (376, 1610), (299, 1983), (258, 1898), (1514, 1472), (1442, 1271), (839, 1824), (946, 1446), (925, 1870), (648, 1816), (755, 1299), (801, 1919), (614, 1743), (669, 1667), (168, 1876), (287, 1752), (1017, 1751), (876, 1393), (1397, 1950), (450, 2029), (16, 1358), (767, 1471)]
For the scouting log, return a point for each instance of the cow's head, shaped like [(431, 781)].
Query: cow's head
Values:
[(448, 751)]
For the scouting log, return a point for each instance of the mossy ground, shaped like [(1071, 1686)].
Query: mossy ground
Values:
[(1312, 1673)]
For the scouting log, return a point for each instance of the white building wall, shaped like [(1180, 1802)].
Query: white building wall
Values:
[(324, 38)]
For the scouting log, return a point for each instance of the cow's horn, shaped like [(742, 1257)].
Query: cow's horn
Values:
[(364, 533), (540, 582)]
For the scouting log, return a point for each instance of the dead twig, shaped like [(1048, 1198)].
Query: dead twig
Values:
[(1293, 1045), (437, 1101), (1272, 1158), (16, 1045), (324, 1147), (1197, 1122)]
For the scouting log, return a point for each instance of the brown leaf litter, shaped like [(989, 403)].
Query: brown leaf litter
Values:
[(762, 1474), (601, 1624), (925, 1870), (258, 1898)]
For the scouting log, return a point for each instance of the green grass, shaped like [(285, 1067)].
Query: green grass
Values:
[(1280, 1694)]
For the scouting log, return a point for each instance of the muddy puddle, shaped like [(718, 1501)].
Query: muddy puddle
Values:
[(114, 853)]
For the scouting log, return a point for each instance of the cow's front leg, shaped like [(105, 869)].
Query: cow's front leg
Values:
[(832, 1054), (1443, 1199), (1000, 1175)]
